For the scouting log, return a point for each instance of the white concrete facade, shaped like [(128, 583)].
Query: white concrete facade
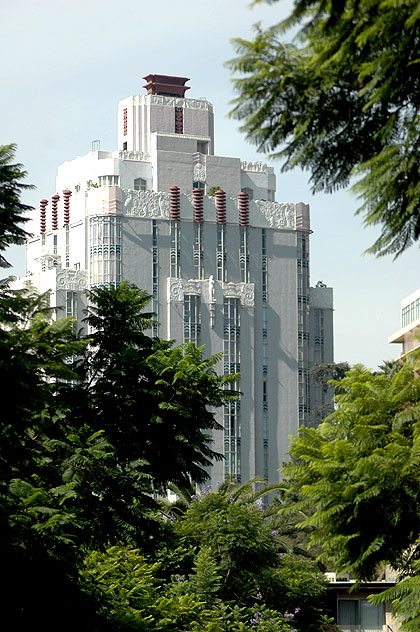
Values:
[(409, 333), (230, 275)]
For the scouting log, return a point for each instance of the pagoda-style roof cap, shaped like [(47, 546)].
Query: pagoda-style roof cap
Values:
[(166, 85)]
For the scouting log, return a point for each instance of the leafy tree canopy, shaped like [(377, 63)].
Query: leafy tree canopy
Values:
[(341, 100), (324, 372), (254, 552), (90, 429), (357, 475), (228, 570), (140, 389)]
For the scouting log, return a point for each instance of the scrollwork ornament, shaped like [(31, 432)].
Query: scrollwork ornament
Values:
[(244, 291), (179, 287), (146, 204), (74, 280)]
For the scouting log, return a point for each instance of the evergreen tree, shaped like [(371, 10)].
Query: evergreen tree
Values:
[(12, 209), (155, 402)]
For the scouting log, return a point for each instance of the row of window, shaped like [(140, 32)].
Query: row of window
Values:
[(264, 341), (302, 271), (198, 253), (410, 313), (231, 364), (232, 361), (105, 250), (231, 348)]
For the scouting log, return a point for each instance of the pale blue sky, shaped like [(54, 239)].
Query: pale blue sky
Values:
[(65, 64)]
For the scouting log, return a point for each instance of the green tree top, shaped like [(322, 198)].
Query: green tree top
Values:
[(154, 401), (357, 475), (341, 101), (12, 210)]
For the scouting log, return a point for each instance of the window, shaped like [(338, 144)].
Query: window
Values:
[(105, 250), (71, 303), (198, 253), (67, 246), (221, 253), (140, 184), (155, 275), (264, 266), (354, 615), (109, 181), (410, 313), (192, 324), (175, 250), (243, 255), (231, 363), (197, 184)]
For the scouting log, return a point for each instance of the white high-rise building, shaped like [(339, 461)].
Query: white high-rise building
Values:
[(229, 271)]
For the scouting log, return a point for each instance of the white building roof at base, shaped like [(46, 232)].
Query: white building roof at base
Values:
[(229, 271)]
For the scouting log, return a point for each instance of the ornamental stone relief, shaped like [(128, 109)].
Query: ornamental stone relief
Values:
[(197, 104), (199, 172), (244, 291), (146, 204), (68, 279), (248, 165), (134, 155), (179, 287), (278, 214)]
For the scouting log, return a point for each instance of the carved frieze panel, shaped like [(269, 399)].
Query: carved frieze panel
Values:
[(259, 166), (244, 291), (146, 204), (197, 104), (278, 214), (179, 287), (199, 172), (69, 279), (134, 155)]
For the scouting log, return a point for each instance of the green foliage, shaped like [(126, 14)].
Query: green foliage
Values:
[(90, 430), (405, 598), (213, 190), (324, 372), (390, 367), (139, 389), (243, 555), (357, 474), (12, 210), (341, 101), (124, 585), (82, 445), (132, 598)]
